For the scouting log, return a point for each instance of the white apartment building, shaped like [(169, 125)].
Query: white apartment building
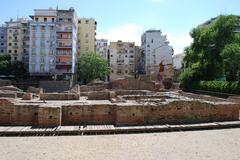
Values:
[(158, 54), (102, 48)]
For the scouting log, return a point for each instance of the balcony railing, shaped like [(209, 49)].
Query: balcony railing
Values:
[(64, 29)]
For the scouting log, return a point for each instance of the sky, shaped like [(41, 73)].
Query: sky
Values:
[(127, 19)]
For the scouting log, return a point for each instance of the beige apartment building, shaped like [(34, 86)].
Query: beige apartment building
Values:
[(86, 35), (18, 39), (122, 59)]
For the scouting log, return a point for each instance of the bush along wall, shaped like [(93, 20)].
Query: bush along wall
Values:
[(217, 86)]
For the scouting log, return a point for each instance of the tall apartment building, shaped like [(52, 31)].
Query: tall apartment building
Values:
[(86, 35), (42, 54), (122, 59), (53, 38), (66, 56), (158, 55), (3, 40), (18, 39), (102, 48)]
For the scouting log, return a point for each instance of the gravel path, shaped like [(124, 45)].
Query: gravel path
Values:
[(211, 144)]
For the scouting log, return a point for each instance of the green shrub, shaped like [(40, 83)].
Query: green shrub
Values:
[(189, 79), (219, 86)]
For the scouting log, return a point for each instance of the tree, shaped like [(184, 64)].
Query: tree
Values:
[(92, 66), (15, 68), (231, 61), (203, 57)]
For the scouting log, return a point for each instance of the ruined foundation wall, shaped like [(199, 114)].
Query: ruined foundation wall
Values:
[(59, 96), (88, 114), (176, 112), (32, 115)]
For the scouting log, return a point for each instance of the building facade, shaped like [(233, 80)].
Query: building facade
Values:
[(42, 54), (3, 40), (53, 43), (86, 35), (66, 54), (158, 55), (102, 48), (122, 59), (18, 39)]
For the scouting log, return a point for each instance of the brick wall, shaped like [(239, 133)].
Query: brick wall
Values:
[(176, 112), (88, 114), (59, 96), (48, 116)]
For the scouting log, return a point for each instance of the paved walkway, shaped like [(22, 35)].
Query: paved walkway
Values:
[(192, 145)]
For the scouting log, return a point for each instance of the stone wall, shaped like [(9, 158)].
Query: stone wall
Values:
[(54, 86), (32, 115), (176, 112), (48, 116), (88, 114), (59, 96), (5, 83), (134, 84)]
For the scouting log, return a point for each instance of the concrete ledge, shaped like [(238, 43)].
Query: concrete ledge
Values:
[(59, 96), (110, 129), (8, 95)]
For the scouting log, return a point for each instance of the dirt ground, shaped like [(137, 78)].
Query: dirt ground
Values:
[(192, 145)]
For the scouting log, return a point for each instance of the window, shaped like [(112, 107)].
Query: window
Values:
[(36, 19), (2, 44), (126, 71), (16, 37), (86, 35), (131, 56), (10, 31), (15, 44), (152, 41), (10, 37), (45, 19), (43, 27), (9, 51), (79, 21), (10, 44), (111, 55), (53, 19), (15, 51), (69, 19), (87, 21), (126, 56), (2, 51), (2, 37)]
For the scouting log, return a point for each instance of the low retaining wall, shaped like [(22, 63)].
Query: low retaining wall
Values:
[(59, 96), (176, 112), (33, 115)]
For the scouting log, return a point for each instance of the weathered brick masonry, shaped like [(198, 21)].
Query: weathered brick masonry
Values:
[(130, 113), (11, 114)]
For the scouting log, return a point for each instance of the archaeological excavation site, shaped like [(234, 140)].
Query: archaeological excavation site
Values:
[(119, 106)]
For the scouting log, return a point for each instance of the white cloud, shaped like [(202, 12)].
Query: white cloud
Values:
[(133, 32), (179, 41), (126, 32)]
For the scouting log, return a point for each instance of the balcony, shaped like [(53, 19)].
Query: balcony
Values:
[(64, 63), (64, 29), (63, 46), (120, 61)]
